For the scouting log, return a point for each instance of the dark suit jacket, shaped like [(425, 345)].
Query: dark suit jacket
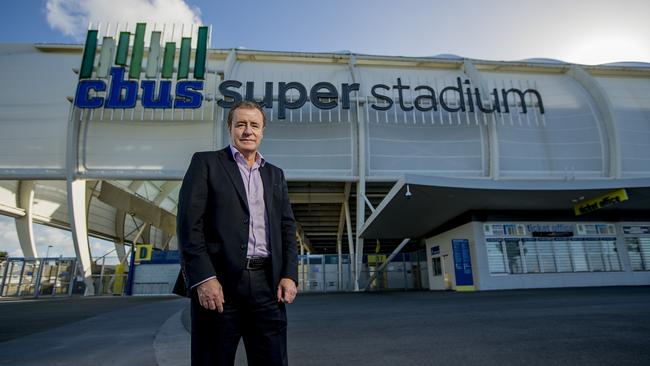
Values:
[(213, 222)]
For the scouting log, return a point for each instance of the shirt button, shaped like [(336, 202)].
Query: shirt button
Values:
[(246, 221), (243, 247)]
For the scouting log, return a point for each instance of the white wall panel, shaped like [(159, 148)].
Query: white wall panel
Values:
[(630, 98), (157, 147), (566, 142), (33, 106), (8, 189), (432, 142)]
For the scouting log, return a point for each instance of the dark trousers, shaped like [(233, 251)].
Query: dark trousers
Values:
[(251, 313)]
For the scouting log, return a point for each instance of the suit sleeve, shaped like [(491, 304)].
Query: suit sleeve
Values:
[(192, 200), (288, 223)]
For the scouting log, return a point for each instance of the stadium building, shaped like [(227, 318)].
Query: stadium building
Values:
[(432, 172)]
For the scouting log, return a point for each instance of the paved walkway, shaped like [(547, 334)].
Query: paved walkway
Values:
[(589, 326)]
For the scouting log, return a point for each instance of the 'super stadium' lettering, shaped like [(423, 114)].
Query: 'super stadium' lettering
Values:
[(325, 95)]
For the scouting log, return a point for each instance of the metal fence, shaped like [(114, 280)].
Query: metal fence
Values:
[(37, 277), (323, 273), (61, 276), (22, 277)]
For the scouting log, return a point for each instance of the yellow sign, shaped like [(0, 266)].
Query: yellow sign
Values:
[(118, 283), (605, 200), (376, 259), (143, 252)]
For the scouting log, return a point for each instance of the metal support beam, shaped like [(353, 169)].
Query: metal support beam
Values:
[(353, 260), (316, 198), (607, 119), (490, 149), (372, 208), (361, 167), (165, 190), (302, 263), (303, 238), (25, 223), (120, 216), (383, 265), (339, 234), (79, 228), (140, 233), (361, 218)]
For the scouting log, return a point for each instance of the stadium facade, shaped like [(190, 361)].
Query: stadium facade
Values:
[(522, 174)]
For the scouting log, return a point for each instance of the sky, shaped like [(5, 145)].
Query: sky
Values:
[(44, 236), (577, 31)]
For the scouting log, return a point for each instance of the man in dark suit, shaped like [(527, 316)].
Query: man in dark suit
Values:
[(236, 235)]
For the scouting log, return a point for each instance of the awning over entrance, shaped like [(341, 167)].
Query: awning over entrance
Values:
[(416, 205)]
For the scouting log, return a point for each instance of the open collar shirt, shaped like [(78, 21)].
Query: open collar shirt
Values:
[(257, 227)]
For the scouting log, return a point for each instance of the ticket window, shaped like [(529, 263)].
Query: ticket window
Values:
[(638, 249)]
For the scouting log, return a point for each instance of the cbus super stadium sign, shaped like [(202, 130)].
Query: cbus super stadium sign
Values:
[(123, 89), (118, 82)]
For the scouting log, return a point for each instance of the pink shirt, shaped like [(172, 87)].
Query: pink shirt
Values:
[(257, 233)]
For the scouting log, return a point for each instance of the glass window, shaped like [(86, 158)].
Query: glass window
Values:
[(638, 250), (593, 249), (562, 256), (644, 244), (553, 255), (530, 256), (610, 255), (495, 257), (546, 257), (437, 267), (514, 256), (578, 257)]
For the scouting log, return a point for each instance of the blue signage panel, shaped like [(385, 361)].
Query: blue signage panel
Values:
[(462, 264)]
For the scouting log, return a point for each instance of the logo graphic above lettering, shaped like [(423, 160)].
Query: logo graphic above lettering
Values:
[(118, 80)]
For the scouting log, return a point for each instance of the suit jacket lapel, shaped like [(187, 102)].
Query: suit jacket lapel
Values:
[(267, 182), (230, 165)]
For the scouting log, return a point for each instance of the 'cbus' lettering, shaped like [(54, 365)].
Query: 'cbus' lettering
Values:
[(123, 94)]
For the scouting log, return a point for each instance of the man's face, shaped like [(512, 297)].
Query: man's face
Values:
[(247, 130)]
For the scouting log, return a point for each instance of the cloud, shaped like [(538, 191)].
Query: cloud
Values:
[(59, 239), (71, 17), (8, 237)]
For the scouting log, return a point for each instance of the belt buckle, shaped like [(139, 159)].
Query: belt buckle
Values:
[(254, 263), (248, 263)]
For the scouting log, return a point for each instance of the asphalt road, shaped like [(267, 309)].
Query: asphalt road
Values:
[(586, 326)]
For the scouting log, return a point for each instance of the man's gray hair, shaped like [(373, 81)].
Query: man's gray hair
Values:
[(245, 104)]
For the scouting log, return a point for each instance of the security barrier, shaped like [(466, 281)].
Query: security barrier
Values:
[(23, 277)]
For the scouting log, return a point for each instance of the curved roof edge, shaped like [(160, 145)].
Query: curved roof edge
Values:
[(417, 205), (479, 183), (441, 59)]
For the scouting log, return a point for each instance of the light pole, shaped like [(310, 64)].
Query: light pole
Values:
[(47, 253)]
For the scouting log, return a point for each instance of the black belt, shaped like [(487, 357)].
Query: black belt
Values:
[(255, 263)]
